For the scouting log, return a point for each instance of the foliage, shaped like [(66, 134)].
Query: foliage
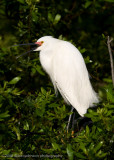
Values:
[(32, 119)]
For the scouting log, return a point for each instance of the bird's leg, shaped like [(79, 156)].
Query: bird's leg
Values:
[(69, 119), (73, 120), (76, 122), (73, 123)]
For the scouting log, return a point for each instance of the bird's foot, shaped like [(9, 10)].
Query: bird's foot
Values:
[(79, 123)]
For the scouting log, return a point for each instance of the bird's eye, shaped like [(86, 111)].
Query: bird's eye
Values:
[(42, 42)]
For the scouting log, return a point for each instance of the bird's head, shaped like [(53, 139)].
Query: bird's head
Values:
[(44, 43)]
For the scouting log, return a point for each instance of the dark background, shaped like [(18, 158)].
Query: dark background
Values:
[(33, 120)]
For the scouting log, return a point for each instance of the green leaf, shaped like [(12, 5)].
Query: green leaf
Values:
[(33, 71), (41, 131), (40, 111), (34, 16), (5, 152), (26, 126), (100, 154), (4, 115), (17, 131), (52, 105), (103, 36), (43, 91), (110, 94), (33, 147), (108, 80), (110, 106), (55, 146), (83, 148), (39, 70), (87, 4), (17, 92), (92, 112), (87, 60), (87, 131), (50, 17), (91, 147), (98, 146), (70, 151), (57, 18), (5, 84), (15, 80), (79, 155), (82, 50)]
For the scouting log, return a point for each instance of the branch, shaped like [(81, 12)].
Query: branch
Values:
[(111, 58)]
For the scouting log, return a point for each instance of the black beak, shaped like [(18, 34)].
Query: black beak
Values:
[(26, 53), (26, 44)]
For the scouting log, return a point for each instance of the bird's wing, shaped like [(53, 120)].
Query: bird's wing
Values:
[(71, 78)]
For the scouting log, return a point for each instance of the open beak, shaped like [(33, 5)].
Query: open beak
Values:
[(36, 44)]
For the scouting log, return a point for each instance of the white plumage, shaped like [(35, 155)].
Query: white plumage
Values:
[(66, 67)]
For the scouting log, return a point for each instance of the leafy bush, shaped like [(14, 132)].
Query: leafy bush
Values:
[(32, 119)]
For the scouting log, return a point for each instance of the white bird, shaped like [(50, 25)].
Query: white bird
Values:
[(66, 67)]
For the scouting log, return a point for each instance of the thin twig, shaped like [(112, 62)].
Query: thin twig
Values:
[(111, 58)]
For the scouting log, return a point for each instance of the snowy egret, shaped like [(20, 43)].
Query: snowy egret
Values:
[(67, 70)]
